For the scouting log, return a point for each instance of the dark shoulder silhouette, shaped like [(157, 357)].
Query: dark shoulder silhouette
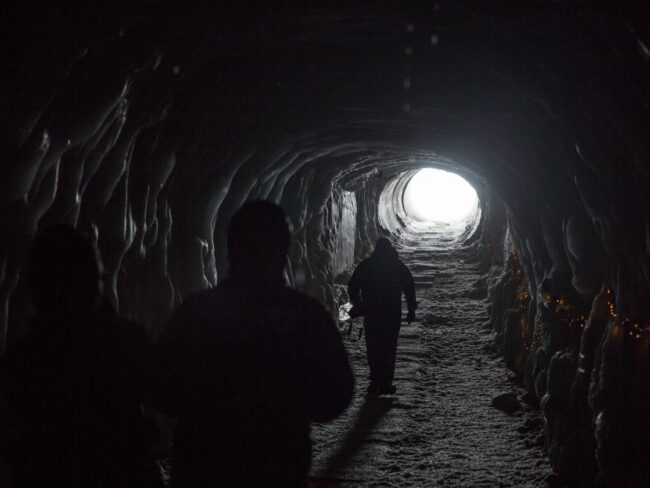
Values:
[(247, 366), (253, 346)]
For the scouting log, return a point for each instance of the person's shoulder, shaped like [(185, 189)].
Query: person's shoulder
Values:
[(133, 331), (298, 297), (406, 277), (17, 352), (123, 330), (201, 302), (364, 264), (402, 265), (23, 356), (304, 301), (204, 296), (367, 261)]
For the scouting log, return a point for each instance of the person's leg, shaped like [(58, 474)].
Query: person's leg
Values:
[(373, 352), (391, 355), (381, 353), (381, 344), (388, 348), (383, 363)]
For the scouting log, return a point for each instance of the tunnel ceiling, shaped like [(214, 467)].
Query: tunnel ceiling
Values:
[(523, 83), (125, 107), (132, 107)]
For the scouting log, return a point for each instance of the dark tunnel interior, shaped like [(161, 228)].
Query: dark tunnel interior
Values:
[(146, 126)]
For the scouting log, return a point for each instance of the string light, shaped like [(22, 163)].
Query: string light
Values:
[(537, 334), (561, 307), (523, 298), (633, 329)]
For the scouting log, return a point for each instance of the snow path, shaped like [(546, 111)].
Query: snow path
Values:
[(439, 429)]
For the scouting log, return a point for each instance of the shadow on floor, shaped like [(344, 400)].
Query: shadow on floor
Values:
[(371, 412)]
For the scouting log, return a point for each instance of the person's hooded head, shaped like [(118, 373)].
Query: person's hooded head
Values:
[(258, 240), (63, 273), (384, 250)]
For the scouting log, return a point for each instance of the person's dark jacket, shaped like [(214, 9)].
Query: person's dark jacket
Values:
[(377, 284), (71, 398), (245, 368)]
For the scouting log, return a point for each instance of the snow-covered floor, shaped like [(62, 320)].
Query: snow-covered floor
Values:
[(439, 429)]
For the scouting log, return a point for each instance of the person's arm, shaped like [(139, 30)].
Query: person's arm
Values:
[(333, 382), (354, 285), (408, 287)]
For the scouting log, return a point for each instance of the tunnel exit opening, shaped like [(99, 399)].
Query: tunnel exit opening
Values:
[(436, 196), (430, 201)]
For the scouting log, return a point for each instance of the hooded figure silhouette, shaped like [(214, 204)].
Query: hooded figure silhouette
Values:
[(376, 288)]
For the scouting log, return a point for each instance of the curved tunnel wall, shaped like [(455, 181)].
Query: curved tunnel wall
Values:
[(148, 128)]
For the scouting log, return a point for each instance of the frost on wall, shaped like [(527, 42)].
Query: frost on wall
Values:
[(344, 215)]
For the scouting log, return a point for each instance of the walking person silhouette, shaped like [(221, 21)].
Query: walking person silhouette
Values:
[(375, 290), (246, 366), (72, 390)]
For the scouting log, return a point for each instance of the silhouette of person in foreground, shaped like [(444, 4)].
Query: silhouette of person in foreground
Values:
[(246, 366), (375, 290), (71, 392)]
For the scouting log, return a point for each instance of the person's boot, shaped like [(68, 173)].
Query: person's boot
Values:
[(388, 390)]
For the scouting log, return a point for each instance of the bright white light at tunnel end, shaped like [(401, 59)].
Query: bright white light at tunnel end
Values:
[(433, 195)]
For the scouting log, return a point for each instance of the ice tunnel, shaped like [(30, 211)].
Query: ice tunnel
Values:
[(147, 127)]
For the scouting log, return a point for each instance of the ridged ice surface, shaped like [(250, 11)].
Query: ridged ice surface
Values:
[(440, 428)]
